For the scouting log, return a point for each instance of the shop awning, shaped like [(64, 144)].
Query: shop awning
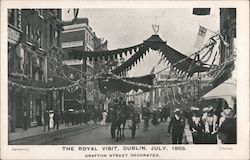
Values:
[(224, 90)]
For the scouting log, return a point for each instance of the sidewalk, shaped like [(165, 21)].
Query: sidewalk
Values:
[(39, 130)]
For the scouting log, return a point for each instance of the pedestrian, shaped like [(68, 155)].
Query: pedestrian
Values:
[(227, 130), (104, 118), (210, 127), (66, 116), (145, 116), (176, 127), (134, 122), (51, 121), (197, 127), (154, 117), (9, 122), (56, 119), (46, 120), (25, 121), (134, 118), (113, 118)]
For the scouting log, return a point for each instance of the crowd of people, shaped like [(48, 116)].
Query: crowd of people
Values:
[(212, 126), (208, 125), (70, 117)]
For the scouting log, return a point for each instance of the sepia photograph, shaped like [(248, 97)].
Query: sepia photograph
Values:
[(124, 80), (85, 76)]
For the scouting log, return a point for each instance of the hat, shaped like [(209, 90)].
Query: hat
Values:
[(131, 101), (206, 109), (228, 113), (194, 108), (177, 110)]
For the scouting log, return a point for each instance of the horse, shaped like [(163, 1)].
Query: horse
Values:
[(119, 115)]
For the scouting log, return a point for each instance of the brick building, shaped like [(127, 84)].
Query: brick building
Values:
[(30, 70)]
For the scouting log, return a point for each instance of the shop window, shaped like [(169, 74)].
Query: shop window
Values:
[(32, 109)]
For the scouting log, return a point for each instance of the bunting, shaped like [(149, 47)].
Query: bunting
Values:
[(177, 59)]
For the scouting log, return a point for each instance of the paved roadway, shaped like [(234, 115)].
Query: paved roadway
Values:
[(95, 134), (100, 135)]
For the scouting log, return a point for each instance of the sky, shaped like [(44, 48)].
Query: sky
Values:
[(130, 26)]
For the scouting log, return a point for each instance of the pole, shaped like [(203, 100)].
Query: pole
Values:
[(198, 90)]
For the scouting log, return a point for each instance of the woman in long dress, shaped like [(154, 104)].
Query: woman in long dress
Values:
[(197, 128), (104, 118), (210, 128), (51, 121)]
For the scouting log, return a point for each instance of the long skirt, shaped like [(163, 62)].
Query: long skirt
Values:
[(51, 122)]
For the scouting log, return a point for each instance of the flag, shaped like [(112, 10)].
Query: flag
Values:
[(200, 37), (201, 11)]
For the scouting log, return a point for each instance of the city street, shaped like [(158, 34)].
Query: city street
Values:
[(96, 134), (101, 135)]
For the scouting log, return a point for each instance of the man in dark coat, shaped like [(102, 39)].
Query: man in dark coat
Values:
[(176, 125), (227, 131), (46, 120), (56, 119), (25, 121), (146, 117), (113, 118)]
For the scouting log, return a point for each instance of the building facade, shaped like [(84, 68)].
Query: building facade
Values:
[(78, 36), (29, 64)]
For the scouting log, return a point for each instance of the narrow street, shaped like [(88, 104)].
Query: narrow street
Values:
[(100, 135)]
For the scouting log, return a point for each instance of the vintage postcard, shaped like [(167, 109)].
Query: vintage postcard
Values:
[(124, 80)]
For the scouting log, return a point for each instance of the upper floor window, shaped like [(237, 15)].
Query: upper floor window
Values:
[(13, 17), (57, 37), (28, 32), (51, 35), (39, 40)]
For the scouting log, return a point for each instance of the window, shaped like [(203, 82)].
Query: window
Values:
[(28, 32), (11, 17), (87, 38), (39, 40), (51, 35), (57, 37)]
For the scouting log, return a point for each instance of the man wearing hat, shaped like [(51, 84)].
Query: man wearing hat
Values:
[(227, 130), (176, 127)]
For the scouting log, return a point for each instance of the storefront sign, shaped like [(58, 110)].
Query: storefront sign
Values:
[(13, 35)]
